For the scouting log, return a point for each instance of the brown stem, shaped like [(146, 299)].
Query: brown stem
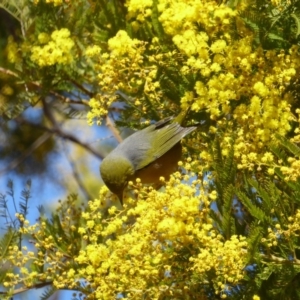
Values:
[(110, 124)]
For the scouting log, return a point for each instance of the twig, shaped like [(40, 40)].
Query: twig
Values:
[(36, 84), (63, 135), (280, 260), (38, 142), (25, 289), (110, 124), (276, 259), (57, 130), (82, 88), (77, 177)]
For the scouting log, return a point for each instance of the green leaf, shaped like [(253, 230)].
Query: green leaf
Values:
[(297, 21), (291, 147), (252, 208), (7, 240)]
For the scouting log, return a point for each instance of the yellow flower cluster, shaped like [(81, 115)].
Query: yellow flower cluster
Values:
[(281, 5), (57, 48), (140, 259), (13, 55), (226, 259), (99, 107), (7, 90), (239, 81), (19, 259), (140, 10), (273, 236), (122, 44), (123, 68), (141, 250), (266, 113), (291, 170), (179, 16), (289, 231), (48, 251), (242, 88), (92, 51), (293, 228), (55, 2)]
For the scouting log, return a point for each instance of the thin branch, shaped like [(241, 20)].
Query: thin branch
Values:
[(69, 100), (38, 142), (111, 125), (67, 136), (38, 85), (82, 88), (25, 289), (276, 259), (75, 140), (279, 260), (9, 72), (49, 115), (77, 177)]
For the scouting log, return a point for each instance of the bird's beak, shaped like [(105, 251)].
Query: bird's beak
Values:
[(120, 196)]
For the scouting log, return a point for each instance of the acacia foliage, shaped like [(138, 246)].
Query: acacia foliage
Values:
[(228, 226)]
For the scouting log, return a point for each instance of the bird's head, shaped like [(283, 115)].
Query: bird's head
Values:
[(116, 172)]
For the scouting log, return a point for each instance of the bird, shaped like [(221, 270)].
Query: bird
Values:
[(147, 154)]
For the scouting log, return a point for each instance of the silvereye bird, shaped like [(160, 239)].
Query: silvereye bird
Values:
[(147, 154)]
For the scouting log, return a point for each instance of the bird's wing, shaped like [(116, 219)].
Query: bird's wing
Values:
[(160, 141)]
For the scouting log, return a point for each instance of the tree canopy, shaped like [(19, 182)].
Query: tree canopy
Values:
[(227, 224)]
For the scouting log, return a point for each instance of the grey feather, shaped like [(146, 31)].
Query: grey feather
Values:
[(145, 146)]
